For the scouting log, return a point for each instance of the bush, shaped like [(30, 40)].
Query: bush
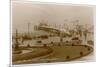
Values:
[(51, 42), (28, 45), (81, 53), (90, 42), (45, 45), (67, 57)]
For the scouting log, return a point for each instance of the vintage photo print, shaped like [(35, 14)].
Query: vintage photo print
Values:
[(50, 32)]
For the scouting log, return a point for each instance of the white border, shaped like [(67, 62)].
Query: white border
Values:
[(5, 31), (53, 3)]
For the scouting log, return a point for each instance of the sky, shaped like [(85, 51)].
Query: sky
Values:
[(33, 13)]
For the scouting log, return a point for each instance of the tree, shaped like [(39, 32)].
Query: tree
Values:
[(16, 43)]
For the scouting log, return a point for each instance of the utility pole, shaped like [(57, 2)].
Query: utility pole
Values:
[(28, 28)]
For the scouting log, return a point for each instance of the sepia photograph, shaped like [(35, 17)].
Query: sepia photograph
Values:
[(50, 32)]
